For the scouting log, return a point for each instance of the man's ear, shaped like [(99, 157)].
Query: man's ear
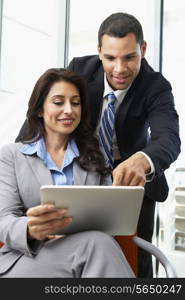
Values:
[(99, 52), (143, 48)]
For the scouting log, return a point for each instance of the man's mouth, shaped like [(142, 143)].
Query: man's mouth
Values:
[(120, 79)]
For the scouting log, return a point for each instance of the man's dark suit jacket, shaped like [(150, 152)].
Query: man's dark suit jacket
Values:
[(148, 105)]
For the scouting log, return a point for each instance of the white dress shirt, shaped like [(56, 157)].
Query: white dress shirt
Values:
[(120, 95)]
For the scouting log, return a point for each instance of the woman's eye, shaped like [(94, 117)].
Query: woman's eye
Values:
[(76, 103), (58, 103)]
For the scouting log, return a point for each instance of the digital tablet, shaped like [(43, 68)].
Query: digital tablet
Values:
[(112, 209)]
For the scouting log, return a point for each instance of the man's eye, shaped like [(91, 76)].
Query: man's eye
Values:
[(110, 58), (130, 57)]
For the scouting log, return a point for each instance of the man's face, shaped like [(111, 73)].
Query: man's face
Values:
[(121, 59)]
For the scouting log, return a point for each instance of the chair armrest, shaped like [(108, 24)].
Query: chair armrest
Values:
[(149, 247)]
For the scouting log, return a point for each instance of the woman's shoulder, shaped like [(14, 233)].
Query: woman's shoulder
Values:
[(9, 149)]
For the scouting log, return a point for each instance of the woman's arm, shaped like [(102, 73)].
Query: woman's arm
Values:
[(17, 226), (13, 222)]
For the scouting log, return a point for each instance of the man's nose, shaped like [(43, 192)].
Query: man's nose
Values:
[(120, 66)]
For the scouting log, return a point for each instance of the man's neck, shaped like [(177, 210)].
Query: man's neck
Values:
[(108, 89)]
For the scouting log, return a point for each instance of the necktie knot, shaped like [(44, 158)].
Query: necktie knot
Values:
[(111, 98)]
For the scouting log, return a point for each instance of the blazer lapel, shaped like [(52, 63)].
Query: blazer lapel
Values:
[(131, 96), (79, 175), (42, 174), (124, 107)]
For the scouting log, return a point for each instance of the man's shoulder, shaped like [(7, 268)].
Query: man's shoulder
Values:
[(85, 65), (89, 59), (151, 78), (86, 58)]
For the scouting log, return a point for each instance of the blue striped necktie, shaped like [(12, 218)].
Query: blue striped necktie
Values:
[(106, 130)]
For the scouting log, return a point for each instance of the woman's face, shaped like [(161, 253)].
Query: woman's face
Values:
[(62, 109)]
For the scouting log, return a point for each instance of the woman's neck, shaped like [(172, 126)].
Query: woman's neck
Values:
[(55, 142), (56, 146)]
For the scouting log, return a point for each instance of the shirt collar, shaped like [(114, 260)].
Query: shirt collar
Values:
[(39, 149), (70, 153), (119, 94)]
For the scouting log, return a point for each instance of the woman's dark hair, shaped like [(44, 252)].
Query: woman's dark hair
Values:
[(119, 25), (88, 145)]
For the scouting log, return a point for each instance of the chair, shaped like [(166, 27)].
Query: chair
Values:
[(130, 250), (129, 246), (158, 254)]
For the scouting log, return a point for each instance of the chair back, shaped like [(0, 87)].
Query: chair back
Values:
[(130, 250)]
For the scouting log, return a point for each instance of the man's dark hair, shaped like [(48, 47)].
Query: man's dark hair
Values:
[(119, 25)]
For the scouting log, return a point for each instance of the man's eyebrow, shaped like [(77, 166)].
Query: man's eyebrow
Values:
[(106, 54), (131, 54), (126, 55)]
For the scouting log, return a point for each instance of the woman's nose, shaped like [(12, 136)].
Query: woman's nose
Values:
[(67, 108)]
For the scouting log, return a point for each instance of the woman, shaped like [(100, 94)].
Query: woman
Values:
[(58, 148)]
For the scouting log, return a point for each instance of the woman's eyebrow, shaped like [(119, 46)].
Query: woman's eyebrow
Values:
[(62, 96), (76, 96), (57, 96)]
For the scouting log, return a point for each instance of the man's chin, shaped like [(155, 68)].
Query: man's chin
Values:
[(119, 86)]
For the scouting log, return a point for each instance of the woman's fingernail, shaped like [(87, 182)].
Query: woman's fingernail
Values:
[(68, 221)]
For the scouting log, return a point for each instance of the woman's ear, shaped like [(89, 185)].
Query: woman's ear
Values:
[(40, 114)]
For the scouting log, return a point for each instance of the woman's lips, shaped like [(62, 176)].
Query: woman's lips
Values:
[(66, 121)]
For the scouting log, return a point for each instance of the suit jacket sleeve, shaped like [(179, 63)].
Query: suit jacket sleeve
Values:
[(13, 221), (148, 121), (164, 146)]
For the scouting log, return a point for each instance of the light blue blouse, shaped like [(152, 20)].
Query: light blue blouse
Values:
[(60, 176)]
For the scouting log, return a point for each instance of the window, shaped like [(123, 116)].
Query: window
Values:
[(86, 17), (174, 61), (30, 45)]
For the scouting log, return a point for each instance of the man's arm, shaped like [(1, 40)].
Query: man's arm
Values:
[(132, 171), (164, 146), (162, 149)]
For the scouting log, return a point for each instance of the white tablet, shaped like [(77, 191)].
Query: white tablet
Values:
[(112, 209)]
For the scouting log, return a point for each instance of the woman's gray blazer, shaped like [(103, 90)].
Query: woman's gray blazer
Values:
[(21, 177)]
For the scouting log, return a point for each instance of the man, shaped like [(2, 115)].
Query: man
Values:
[(146, 131)]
